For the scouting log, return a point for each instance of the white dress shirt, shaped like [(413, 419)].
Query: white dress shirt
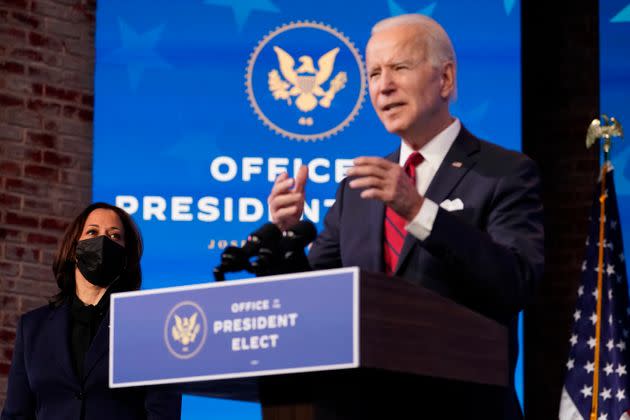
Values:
[(434, 153)]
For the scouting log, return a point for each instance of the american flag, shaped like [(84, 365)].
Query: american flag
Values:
[(613, 388)]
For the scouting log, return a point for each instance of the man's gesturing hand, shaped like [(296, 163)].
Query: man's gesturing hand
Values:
[(386, 181), (286, 201)]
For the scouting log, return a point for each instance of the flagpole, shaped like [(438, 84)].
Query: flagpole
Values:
[(593, 351), (600, 273), (610, 128)]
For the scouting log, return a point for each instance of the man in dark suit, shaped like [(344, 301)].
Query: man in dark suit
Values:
[(446, 210)]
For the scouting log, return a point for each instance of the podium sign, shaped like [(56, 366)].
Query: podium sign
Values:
[(240, 328)]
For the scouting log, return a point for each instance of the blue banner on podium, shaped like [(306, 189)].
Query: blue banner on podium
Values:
[(271, 325)]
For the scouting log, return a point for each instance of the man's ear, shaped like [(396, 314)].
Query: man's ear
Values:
[(447, 80)]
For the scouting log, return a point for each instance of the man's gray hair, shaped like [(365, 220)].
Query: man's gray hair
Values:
[(439, 47), (438, 44)]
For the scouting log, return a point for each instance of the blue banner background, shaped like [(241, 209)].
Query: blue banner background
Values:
[(614, 23), (170, 98)]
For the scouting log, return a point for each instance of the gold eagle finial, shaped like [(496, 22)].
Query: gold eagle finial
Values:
[(604, 129)]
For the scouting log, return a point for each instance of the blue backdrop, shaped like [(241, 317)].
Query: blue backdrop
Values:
[(614, 40), (194, 115)]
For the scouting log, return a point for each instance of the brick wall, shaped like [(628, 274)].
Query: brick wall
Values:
[(46, 105)]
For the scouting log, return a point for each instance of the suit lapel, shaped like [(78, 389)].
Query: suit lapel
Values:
[(463, 151), (374, 247), (59, 337), (99, 346)]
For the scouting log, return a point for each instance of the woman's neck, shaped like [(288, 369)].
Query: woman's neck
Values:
[(87, 293)]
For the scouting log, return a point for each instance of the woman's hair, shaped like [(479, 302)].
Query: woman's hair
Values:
[(65, 260)]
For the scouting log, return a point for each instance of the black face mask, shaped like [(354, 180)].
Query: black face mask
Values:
[(100, 260)]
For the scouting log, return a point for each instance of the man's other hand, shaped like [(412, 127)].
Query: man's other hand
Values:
[(286, 201), (383, 180)]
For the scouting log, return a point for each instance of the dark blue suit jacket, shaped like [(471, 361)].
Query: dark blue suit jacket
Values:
[(43, 384), (488, 256)]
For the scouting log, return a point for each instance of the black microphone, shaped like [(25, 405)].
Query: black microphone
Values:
[(237, 259), (267, 260), (287, 255), (294, 240), (293, 243), (298, 237)]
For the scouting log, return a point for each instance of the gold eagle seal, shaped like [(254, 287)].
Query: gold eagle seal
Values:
[(305, 82), (297, 98), (185, 330)]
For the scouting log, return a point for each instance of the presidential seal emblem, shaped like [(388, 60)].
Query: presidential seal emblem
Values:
[(306, 81), (185, 330)]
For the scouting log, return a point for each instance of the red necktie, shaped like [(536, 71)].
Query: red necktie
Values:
[(394, 225)]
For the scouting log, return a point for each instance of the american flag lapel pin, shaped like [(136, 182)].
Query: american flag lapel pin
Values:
[(456, 164)]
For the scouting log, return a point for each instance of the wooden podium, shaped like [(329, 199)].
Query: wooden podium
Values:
[(421, 356)]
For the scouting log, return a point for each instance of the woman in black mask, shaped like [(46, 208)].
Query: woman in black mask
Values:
[(60, 361)]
